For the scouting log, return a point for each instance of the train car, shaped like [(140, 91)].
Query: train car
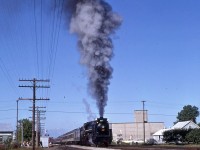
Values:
[(72, 137), (95, 133)]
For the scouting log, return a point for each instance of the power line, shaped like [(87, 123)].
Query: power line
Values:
[(7, 75), (7, 118), (36, 39), (55, 35), (58, 33), (51, 43), (41, 37)]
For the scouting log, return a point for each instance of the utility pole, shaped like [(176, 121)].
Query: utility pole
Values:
[(143, 121), (22, 128), (38, 124), (42, 125), (17, 123), (34, 86), (38, 113)]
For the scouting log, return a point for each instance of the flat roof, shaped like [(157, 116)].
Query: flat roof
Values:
[(134, 122)]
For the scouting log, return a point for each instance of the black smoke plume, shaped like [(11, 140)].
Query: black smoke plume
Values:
[(94, 21), (91, 116)]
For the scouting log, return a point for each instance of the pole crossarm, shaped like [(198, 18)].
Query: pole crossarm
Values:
[(37, 107), (37, 80), (30, 86), (42, 118), (33, 99)]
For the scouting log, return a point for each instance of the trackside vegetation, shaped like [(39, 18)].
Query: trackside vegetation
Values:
[(185, 136)]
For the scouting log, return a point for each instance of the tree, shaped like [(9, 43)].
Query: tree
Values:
[(188, 113), (26, 125)]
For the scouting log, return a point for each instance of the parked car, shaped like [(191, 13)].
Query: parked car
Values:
[(139, 141), (151, 141)]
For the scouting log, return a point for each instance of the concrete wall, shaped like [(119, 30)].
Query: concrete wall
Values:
[(138, 115), (134, 131)]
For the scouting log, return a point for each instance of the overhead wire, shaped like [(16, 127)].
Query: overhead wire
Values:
[(51, 41), (56, 23), (7, 118), (7, 75), (11, 56), (50, 51), (55, 35), (41, 70), (36, 40), (58, 33), (41, 35)]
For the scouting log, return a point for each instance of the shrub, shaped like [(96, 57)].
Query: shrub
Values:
[(194, 136), (175, 135), (7, 144)]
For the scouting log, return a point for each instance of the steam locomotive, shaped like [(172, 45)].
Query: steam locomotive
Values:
[(95, 133)]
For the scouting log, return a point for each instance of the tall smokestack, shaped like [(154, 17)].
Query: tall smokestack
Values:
[(93, 21)]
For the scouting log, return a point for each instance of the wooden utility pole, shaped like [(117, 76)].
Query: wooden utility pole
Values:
[(38, 113), (17, 123), (34, 86)]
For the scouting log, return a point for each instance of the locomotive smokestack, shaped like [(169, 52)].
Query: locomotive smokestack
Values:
[(94, 21)]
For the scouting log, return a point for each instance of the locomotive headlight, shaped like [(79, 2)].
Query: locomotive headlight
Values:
[(102, 128)]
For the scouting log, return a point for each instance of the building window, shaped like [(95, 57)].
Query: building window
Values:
[(1, 139)]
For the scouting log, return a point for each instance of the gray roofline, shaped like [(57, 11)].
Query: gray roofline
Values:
[(186, 124)]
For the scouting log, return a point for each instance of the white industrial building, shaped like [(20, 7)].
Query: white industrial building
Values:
[(134, 131), (6, 132)]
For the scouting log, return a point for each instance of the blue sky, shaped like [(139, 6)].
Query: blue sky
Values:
[(156, 59)]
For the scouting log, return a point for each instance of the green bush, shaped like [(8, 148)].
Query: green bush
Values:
[(8, 144), (194, 136), (175, 135)]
